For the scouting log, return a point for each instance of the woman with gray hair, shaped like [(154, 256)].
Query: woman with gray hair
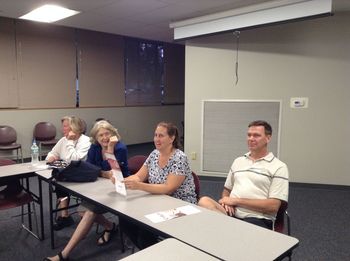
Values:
[(105, 140)]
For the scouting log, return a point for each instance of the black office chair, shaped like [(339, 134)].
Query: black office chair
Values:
[(8, 138), (135, 163), (45, 135), (196, 184), (84, 126), (282, 222), (21, 200)]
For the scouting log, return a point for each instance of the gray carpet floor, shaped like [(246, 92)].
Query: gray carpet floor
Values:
[(319, 219)]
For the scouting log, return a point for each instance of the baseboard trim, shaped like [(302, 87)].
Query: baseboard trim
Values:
[(138, 144), (318, 186), (291, 184), (211, 178)]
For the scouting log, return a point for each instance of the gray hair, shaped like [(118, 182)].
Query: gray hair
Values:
[(102, 125)]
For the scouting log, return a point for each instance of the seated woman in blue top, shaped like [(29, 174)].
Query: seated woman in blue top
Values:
[(97, 150), (105, 139)]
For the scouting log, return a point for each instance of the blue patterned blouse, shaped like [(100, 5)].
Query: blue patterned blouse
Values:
[(177, 165)]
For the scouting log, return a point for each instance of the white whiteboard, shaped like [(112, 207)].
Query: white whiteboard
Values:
[(224, 130)]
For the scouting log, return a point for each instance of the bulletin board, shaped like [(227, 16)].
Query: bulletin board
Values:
[(224, 130)]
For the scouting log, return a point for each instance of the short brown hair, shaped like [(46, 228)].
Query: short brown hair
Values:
[(172, 131), (266, 125)]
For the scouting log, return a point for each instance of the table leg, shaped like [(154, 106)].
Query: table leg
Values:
[(41, 208), (51, 216), (28, 207)]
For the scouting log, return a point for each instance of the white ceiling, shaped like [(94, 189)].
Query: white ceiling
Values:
[(147, 19)]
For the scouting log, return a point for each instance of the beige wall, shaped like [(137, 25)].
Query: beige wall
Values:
[(34, 43), (135, 124), (305, 59)]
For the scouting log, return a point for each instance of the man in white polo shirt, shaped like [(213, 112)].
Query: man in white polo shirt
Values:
[(256, 184)]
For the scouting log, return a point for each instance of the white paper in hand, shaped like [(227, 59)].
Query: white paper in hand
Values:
[(117, 174), (119, 184)]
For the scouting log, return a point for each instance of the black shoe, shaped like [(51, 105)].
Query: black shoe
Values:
[(62, 222), (107, 239)]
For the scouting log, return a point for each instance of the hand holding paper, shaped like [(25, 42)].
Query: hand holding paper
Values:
[(132, 183), (117, 174)]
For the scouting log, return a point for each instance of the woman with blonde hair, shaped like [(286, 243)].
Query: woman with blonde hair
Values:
[(74, 145)]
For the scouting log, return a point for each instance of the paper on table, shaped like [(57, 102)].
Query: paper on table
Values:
[(172, 213), (39, 167), (118, 175)]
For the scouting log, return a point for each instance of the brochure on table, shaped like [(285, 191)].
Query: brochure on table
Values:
[(172, 213)]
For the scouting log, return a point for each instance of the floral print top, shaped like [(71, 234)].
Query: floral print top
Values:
[(177, 165)]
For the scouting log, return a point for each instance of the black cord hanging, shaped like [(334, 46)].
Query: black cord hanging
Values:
[(236, 33)]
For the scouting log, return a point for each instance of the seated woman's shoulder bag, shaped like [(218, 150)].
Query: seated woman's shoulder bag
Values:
[(75, 171)]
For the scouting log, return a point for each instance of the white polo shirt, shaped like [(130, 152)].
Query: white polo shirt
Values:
[(261, 179), (69, 150)]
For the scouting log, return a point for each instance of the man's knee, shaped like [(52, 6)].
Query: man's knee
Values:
[(205, 202)]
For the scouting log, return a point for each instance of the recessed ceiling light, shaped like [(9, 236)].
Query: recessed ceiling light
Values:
[(49, 14)]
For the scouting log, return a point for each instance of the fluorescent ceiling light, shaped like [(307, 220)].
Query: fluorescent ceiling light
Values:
[(49, 14), (251, 16)]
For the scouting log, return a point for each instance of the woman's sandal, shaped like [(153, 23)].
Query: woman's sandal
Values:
[(60, 256), (111, 233)]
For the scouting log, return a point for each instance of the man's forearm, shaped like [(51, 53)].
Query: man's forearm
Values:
[(267, 206), (226, 192)]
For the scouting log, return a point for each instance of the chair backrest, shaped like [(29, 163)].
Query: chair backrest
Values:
[(23, 199), (135, 163), (84, 126), (196, 184), (279, 222), (4, 162), (44, 131), (8, 135)]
